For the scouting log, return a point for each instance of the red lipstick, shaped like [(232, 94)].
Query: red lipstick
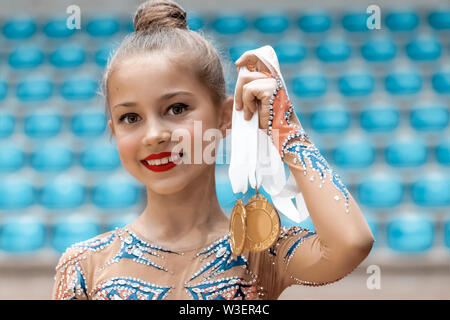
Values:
[(161, 167)]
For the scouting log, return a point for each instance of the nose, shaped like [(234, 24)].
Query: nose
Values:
[(156, 133)]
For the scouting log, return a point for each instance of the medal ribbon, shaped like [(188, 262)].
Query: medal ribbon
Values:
[(256, 160)]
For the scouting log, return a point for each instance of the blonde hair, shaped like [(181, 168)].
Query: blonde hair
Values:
[(160, 26)]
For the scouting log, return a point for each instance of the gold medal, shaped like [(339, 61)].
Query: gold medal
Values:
[(238, 228), (263, 224)]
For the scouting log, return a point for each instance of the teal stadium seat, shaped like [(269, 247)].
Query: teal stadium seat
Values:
[(7, 124), (3, 89), (441, 82), (88, 123), (355, 154), (239, 47), (22, 234), (272, 22), (230, 23), (406, 153), (380, 192), (68, 56), (63, 192), (20, 27), (403, 82), (100, 156), (383, 118), (116, 193), (442, 152), (103, 53), (314, 21), (401, 20), (56, 28), (26, 57), (34, 89), (332, 120), (51, 157), (334, 49), (79, 88), (195, 21), (12, 158), (431, 191), (103, 26), (439, 19), (43, 124), (355, 21), (424, 48), (72, 229), (16, 193), (356, 83), (309, 84), (447, 233), (290, 51), (410, 233), (429, 117), (380, 49)]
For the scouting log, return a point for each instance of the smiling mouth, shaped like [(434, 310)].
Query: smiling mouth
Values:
[(164, 164)]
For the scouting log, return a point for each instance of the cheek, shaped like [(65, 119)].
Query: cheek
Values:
[(128, 148)]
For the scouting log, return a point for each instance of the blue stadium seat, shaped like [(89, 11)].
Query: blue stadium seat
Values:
[(443, 152), (57, 28), (447, 233), (34, 89), (354, 154), (379, 49), (356, 84), (406, 154), (51, 157), (431, 191), (429, 117), (230, 23), (314, 21), (195, 21), (355, 21), (12, 158), (62, 192), (424, 48), (116, 193), (403, 82), (88, 124), (100, 156), (439, 19), (72, 229), (103, 53), (380, 192), (7, 124), (22, 234), (238, 49), (333, 120), (16, 194), (290, 51), (26, 57), (19, 27), (79, 88), (43, 124), (103, 26), (309, 84), (272, 22), (3, 89), (380, 119), (120, 220), (441, 82), (68, 56), (334, 50), (404, 20), (410, 233)]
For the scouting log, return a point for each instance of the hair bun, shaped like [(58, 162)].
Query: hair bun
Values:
[(155, 14)]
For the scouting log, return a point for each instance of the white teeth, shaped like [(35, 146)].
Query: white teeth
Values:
[(175, 158)]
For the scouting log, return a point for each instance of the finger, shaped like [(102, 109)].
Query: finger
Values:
[(247, 58), (248, 98), (242, 80)]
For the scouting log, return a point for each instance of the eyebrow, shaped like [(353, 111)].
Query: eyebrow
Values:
[(163, 97)]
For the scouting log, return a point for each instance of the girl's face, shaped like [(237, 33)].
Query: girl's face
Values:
[(154, 108)]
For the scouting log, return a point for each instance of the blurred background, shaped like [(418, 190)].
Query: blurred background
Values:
[(374, 98)]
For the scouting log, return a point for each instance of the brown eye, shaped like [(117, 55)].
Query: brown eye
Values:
[(177, 108), (130, 117)]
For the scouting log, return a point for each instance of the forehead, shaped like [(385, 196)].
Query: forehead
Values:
[(151, 75)]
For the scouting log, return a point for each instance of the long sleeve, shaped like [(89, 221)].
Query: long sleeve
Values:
[(342, 239)]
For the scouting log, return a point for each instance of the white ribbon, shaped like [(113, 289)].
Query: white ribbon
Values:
[(255, 159)]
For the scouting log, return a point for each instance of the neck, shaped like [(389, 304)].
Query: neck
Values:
[(190, 216)]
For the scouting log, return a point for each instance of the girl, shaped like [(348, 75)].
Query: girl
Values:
[(164, 80)]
